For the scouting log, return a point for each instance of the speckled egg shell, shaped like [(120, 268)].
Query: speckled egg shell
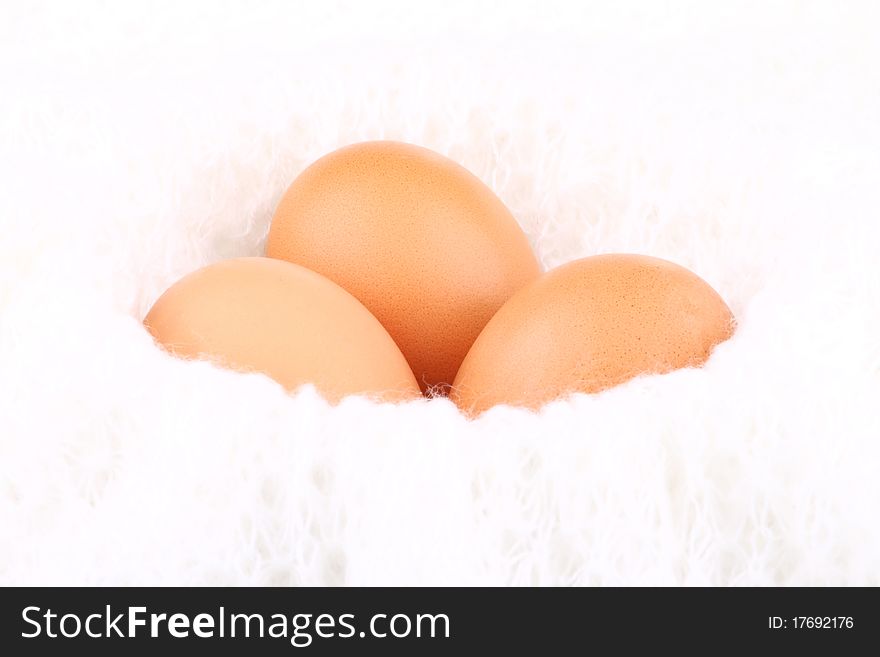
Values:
[(589, 325), (274, 317), (422, 242)]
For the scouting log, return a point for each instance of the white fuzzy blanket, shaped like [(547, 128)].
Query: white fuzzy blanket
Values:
[(139, 143)]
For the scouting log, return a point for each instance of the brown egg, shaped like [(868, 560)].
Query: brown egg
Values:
[(590, 325), (423, 244), (264, 315)]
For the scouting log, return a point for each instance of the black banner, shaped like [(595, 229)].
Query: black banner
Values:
[(430, 621)]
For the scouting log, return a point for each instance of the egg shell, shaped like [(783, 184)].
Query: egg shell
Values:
[(274, 317), (422, 242), (589, 325)]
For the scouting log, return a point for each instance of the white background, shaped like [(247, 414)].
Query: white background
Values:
[(141, 141)]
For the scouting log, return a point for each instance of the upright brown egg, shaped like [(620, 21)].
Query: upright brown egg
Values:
[(418, 239), (274, 317), (590, 325)]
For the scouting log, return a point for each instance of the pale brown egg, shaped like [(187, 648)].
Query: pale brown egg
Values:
[(589, 325), (274, 317), (423, 244)]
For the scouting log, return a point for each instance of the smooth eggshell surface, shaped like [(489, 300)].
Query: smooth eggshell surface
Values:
[(589, 325), (422, 242), (274, 317)]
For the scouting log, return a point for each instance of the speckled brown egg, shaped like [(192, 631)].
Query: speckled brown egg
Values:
[(274, 317), (422, 242), (589, 325)]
